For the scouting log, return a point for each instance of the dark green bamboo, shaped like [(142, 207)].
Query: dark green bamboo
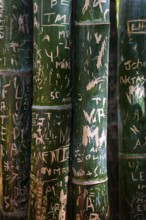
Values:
[(89, 163), (51, 111), (15, 106), (132, 109), (112, 134)]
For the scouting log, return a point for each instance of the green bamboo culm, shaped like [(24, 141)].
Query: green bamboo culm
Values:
[(90, 70), (112, 134), (15, 107), (132, 107), (51, 110)]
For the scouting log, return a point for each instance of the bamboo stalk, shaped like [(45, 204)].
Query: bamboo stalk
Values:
[(132, 105), (112, 134), (89, 163), (112, 84), (15, 106), (51, 111)]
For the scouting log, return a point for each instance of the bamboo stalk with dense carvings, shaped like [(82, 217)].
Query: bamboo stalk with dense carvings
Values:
[(132, 109), (15, 106), (51, 111), (90, 70)]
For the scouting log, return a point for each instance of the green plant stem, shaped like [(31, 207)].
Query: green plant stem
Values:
[(89, 168)]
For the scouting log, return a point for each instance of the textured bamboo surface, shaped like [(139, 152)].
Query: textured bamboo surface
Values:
[(51, 110), (15, 106), (132, 116), (90, 71)]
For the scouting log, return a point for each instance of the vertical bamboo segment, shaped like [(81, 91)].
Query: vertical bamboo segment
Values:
[(132, 107), (15, 106), (112, 134), (51, 111), (89, 163)]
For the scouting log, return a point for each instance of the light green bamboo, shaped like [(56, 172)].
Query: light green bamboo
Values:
[(90, 71), (51, 111)]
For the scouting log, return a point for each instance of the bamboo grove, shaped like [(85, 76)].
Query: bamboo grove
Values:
[(54, 107)]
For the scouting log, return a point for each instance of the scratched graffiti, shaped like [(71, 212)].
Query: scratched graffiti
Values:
[(52, 60), (15, 120), (90, 103), (16, 35), (134, 169), (90, 68), (49, 164), (90, 202), (132, 103), (92, 10), (15, 105), (132, 83), (51, 112)]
